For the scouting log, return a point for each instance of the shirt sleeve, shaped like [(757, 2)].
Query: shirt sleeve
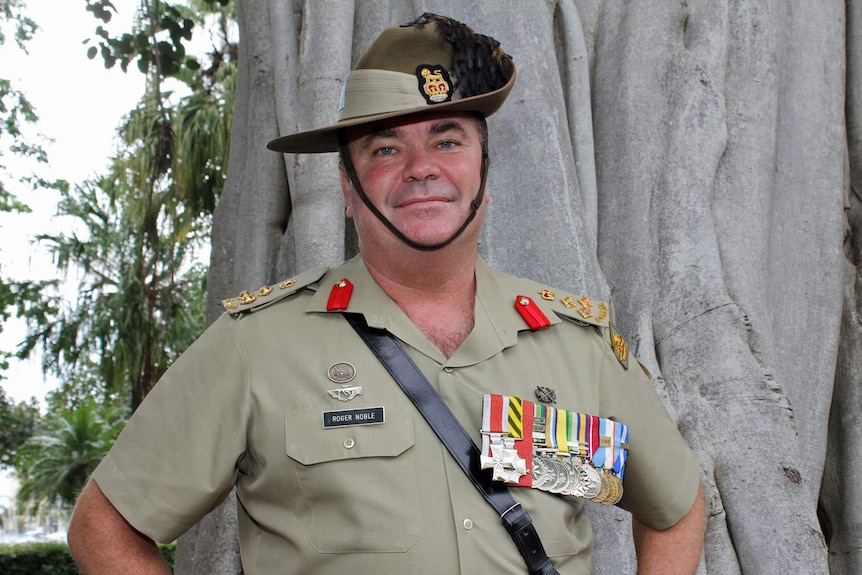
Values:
[(177, 457), (662, 474)]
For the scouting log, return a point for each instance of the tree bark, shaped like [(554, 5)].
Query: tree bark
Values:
[(697, 162)]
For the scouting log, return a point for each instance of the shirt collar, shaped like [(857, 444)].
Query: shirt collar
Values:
[(496, 326)]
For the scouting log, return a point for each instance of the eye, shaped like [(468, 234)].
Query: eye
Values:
[(384, 151)]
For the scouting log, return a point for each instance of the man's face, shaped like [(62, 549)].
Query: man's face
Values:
[(421, 172)]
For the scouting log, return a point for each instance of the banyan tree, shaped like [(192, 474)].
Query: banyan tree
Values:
[(696, 162)]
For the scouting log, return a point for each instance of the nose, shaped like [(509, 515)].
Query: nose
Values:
[(420, 165)]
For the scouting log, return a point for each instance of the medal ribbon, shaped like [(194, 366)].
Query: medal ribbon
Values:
[(495, 417), (539, 434), (622, 432), (509, 417), (609, 431), (516, 418), (593, 431), (583, 435), (551, 429), (563, 430), (524, 446)]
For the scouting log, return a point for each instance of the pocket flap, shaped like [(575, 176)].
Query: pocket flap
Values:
[(309, 442)]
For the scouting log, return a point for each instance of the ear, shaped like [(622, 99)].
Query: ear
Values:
[(345, 188)]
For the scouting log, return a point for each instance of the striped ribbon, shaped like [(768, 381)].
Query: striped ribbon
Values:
[(564, 432), (509, 417), (622, 434)]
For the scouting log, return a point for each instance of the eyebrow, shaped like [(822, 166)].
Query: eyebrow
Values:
[(384, 133), (390, 133), (448, 126)]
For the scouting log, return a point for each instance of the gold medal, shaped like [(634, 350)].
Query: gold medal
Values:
[(604, 490), (616, 490)]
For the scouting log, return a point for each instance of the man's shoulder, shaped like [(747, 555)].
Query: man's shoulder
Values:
[(250, 301), (582, 309)]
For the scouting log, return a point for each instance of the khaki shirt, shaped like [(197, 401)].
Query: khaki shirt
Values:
[(244, 407)]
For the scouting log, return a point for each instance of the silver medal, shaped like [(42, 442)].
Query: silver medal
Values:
[(541, 472), (574, 486), (592, 481), (561, 476)]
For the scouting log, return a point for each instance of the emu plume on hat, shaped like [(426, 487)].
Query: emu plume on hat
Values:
[(430, 65)]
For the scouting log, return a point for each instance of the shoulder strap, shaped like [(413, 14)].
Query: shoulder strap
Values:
[(414, 384)]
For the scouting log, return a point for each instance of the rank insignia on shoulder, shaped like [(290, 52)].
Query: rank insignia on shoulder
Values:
[(547, 294), (249, 301), (584, 310), (618, 344)]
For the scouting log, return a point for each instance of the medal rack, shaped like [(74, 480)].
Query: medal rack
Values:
[(563, 452)]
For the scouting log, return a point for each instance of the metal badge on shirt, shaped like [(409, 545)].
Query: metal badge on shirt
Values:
[(343, 373)]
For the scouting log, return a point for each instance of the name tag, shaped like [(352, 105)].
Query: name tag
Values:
[(348, 417)]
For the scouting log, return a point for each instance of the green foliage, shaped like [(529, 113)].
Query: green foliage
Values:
[(158, 43), (17, 424), (139, 230), (36, 559), (141, 294), (169, 552), (51, 559), (12, 12), (54, 465), (15, 108), (16, 111)]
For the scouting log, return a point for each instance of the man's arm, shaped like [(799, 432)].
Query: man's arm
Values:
[(675, 550), (102, 541)]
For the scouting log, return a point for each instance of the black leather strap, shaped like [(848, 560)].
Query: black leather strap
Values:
[(457, 441)]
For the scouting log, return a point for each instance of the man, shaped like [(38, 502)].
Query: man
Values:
[(335, 470)]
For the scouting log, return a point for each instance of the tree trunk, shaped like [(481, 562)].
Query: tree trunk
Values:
[(694, 161)]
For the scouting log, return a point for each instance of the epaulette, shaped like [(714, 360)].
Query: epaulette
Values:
[(586, 311), (583, 310), (251, 301)]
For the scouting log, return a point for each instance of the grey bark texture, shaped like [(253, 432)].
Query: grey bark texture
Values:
[(697, 162)]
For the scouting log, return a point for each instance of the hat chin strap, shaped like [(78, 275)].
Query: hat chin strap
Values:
[(474, 206)]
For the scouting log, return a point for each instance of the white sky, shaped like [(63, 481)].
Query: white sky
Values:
[(79, 104)]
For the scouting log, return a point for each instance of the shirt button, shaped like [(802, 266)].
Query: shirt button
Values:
[(468, 524), (349, 443), (448, 369)]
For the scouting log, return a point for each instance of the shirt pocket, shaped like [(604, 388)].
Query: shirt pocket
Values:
[(359, 481)]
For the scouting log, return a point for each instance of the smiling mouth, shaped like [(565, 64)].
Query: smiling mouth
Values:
[(428, 200)]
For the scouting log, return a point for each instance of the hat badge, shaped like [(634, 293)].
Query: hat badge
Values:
[(434, 83)]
